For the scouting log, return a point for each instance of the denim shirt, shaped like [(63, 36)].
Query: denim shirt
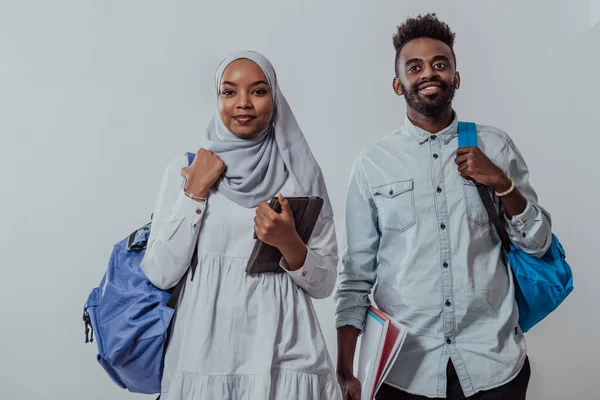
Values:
[(418, 235)]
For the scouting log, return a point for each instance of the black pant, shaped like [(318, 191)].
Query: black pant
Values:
[(513, 390)]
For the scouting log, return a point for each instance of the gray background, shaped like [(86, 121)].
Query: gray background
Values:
[(96, 97)]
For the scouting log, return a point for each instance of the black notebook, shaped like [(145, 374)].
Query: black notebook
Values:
[(306, 210)]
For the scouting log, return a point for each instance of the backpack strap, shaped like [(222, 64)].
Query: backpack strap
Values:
[(176, 293), (490, 207), (190, 157), (138, 239), (467, 137), (467, 134)]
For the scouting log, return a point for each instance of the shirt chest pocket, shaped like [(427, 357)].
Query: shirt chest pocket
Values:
[(475, 209), (396, 205)]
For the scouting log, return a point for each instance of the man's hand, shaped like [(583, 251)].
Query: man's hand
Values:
[(347, 337), (350, 387), (473, 164)]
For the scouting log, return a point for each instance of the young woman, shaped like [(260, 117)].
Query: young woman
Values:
[(239, 336)]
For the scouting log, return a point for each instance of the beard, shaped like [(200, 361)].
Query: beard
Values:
[(431, 106)]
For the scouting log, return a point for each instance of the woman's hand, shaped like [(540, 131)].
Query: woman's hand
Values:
[(205, 170), (279, 230)]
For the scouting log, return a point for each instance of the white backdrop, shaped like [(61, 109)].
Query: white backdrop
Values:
[(97, 96)]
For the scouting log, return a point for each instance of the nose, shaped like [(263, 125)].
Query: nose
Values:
[(244, 102), (428, 73)]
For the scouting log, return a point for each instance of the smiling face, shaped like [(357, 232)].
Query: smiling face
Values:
[(427, 76), (245, 98)]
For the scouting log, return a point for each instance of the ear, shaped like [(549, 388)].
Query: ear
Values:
[(457, 80), (397, 87)]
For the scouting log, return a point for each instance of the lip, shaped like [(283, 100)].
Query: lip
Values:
[(427, 84), (244, 118), (430, 88)]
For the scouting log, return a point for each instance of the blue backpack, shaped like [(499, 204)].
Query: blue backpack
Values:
[(541, 284), (130, 317)]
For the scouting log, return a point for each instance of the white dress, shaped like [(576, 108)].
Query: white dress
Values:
[(237, 336)]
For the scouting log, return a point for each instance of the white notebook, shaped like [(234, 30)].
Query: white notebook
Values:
[(379, 346)]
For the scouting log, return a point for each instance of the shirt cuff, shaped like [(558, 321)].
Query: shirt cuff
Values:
[(188, 208), (306, 271), (354, 316), (519, 222)]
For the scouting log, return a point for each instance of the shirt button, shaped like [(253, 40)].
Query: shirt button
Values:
[(524, 234), (198, 211), (443, 226), (448, 304), (303, 273), (433, 137), (439, 190), (391, 192), (445, 264), (435, 156), (448, 340)]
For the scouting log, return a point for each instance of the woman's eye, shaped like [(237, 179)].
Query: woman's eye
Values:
[(261, 92), (227, 92)]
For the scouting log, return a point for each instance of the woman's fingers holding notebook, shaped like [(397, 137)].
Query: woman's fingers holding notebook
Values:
[(273, 228), (265, 211), (286, 210)]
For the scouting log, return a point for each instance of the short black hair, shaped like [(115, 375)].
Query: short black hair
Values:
[(423, 26)]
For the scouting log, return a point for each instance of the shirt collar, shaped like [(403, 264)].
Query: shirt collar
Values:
[(421, 135)]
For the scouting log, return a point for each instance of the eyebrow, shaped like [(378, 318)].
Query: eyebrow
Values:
[(235, 85), (436, 58)]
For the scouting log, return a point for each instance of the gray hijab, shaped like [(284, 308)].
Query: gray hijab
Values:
[(258, 167)]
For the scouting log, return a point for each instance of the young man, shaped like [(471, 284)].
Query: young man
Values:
[(418, 233)]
